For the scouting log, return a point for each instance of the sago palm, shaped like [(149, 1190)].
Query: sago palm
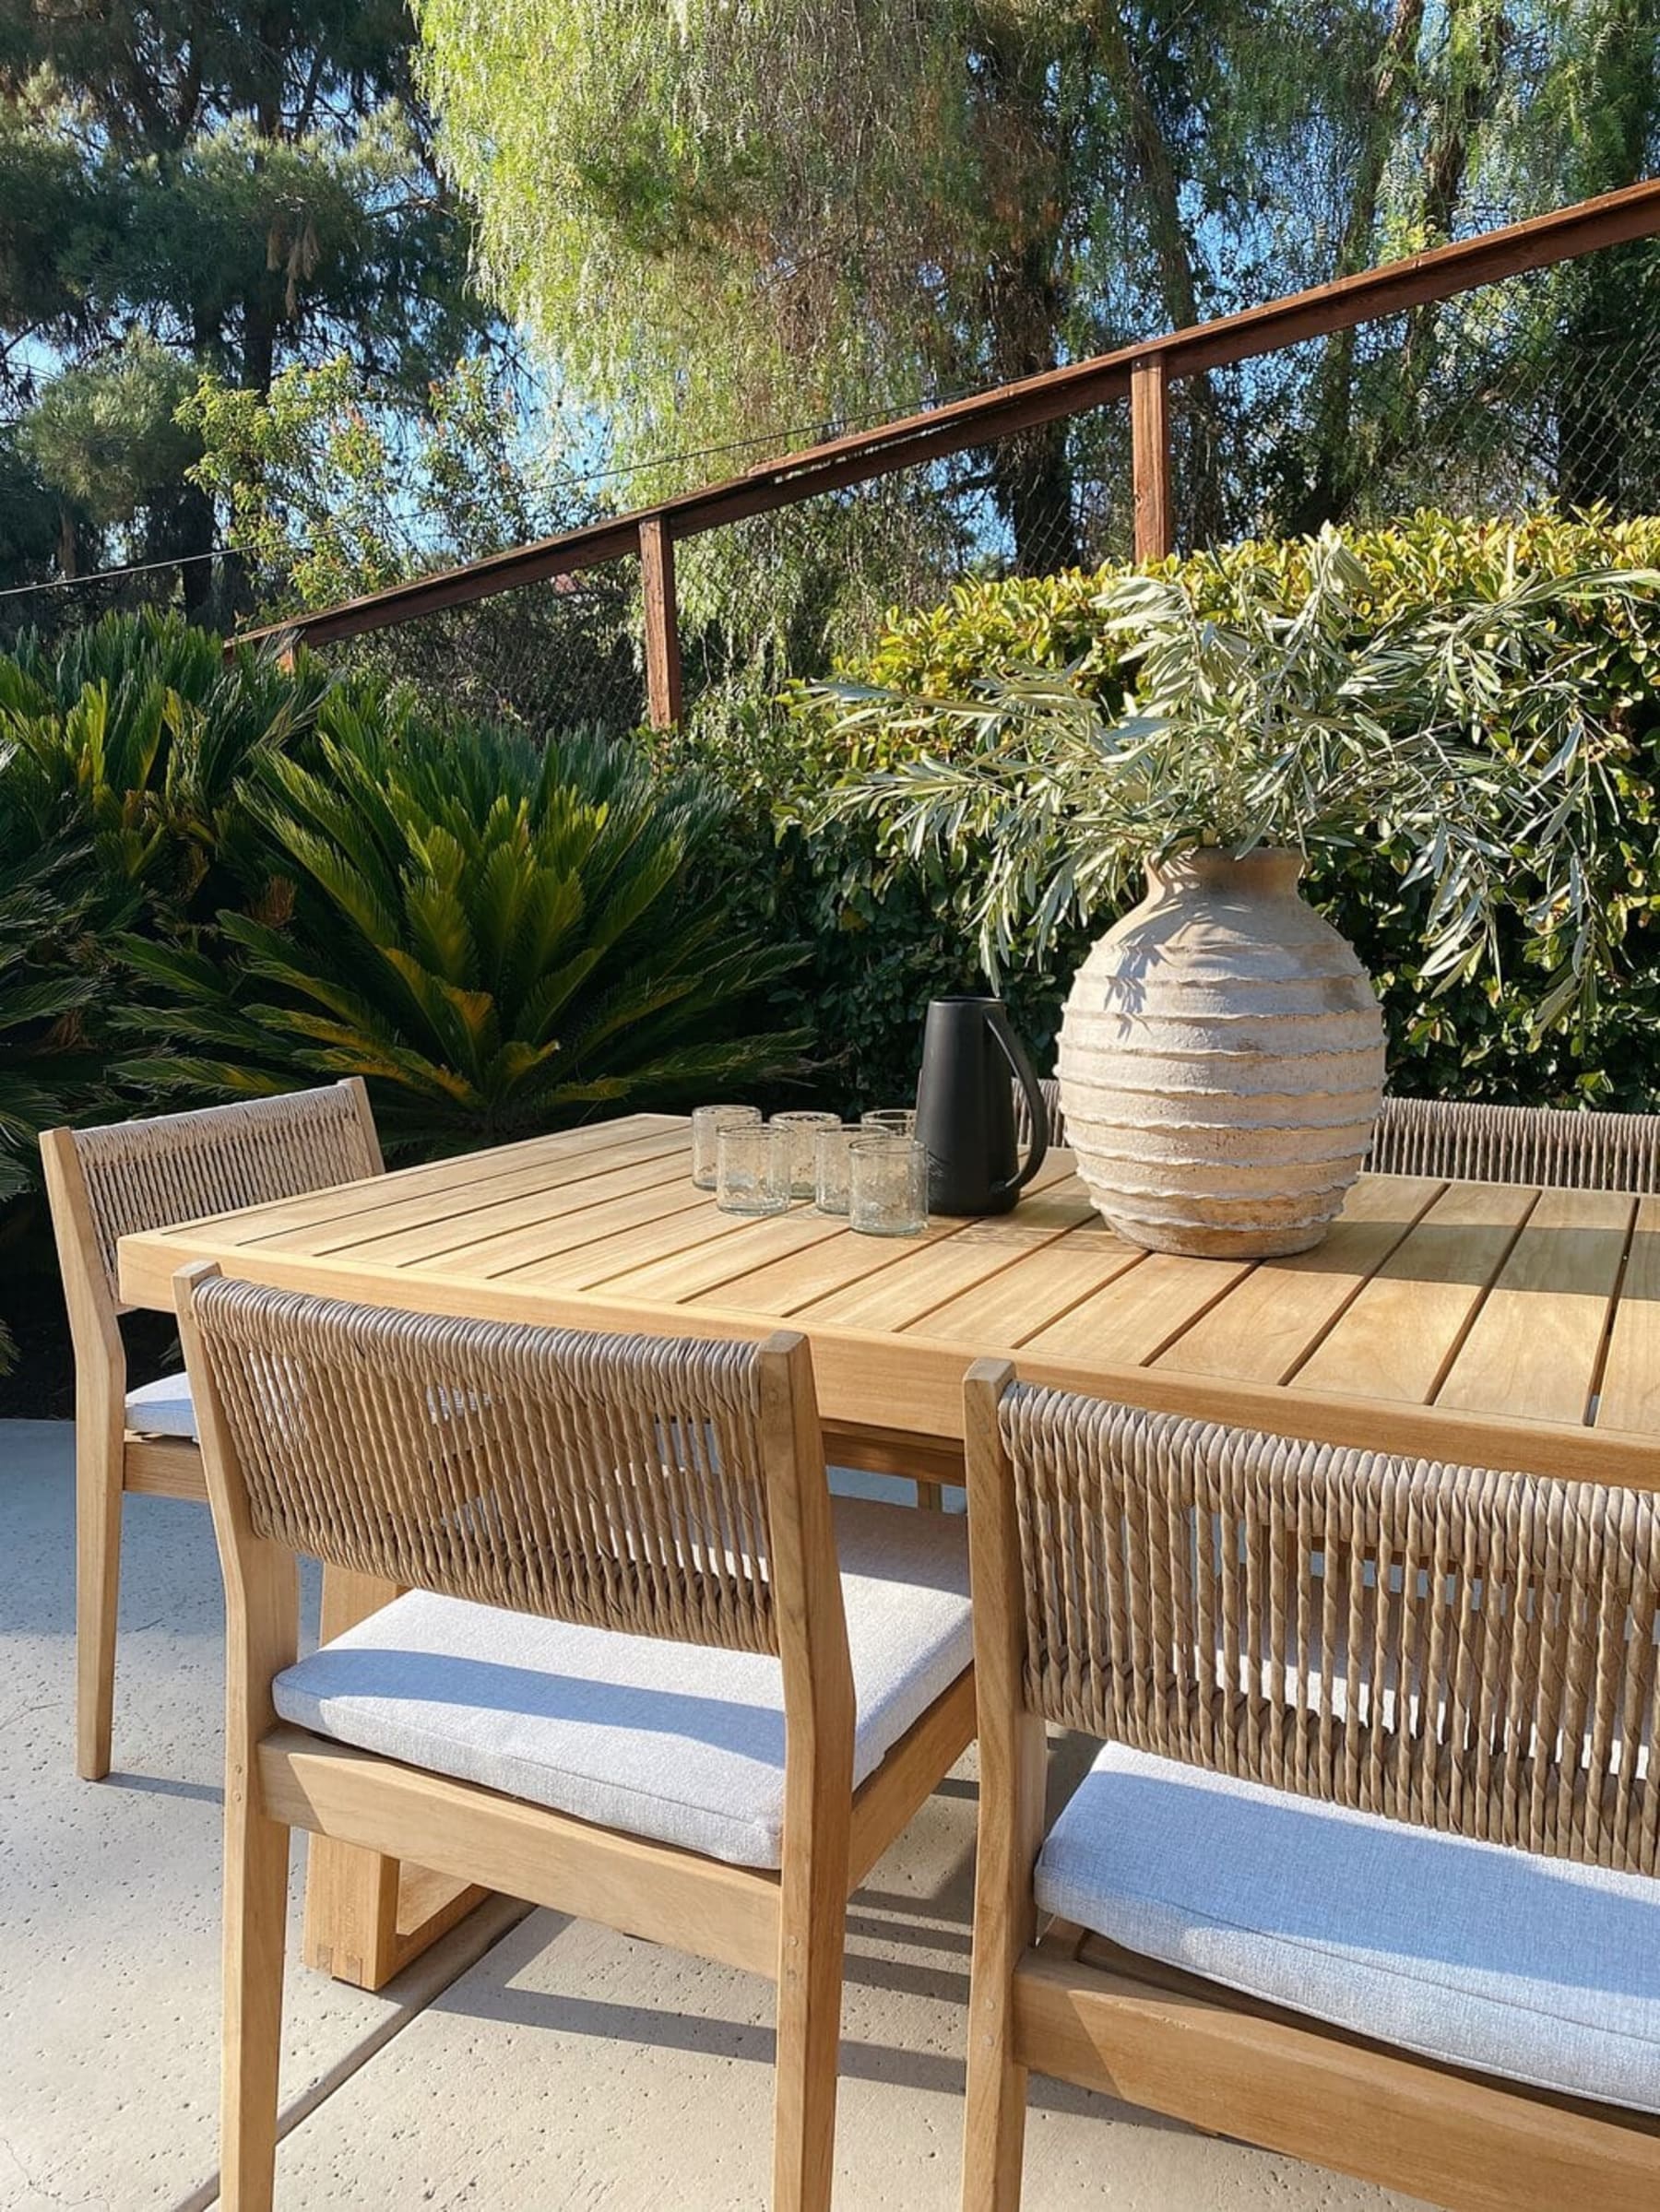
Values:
[(135, 736), (499, 937)]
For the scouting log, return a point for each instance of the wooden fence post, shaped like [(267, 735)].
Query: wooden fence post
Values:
[(1150, 451), (662, 631)]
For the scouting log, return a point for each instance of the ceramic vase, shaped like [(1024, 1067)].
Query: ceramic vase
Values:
[(1221, 1062)]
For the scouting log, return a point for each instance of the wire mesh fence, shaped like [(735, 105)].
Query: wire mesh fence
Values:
[(1542, 387), (560, 654)]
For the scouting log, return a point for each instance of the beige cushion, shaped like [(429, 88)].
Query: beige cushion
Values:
[(162, 1408), (675, 1741), (1480, 1955)]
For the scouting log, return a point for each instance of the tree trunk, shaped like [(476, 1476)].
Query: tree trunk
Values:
[(1023, 301), (1329, 480)]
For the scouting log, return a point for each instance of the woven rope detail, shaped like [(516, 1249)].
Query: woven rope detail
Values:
[(1517, 1144), (1050, 1087), (616, 1482), (177, 1167), (1471, 1651)]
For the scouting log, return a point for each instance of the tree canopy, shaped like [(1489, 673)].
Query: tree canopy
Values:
[(729, 222), (186, 190)]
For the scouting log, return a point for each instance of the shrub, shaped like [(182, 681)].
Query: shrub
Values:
[(1477, 1038), (499, 937), (132, 740), (218, 876)]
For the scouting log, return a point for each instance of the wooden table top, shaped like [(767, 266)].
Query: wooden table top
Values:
[(1499, 1324)]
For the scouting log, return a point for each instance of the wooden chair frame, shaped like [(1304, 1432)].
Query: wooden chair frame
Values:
[(365, 1917), (789, 1923), (111, 1458), (1062, 2003)]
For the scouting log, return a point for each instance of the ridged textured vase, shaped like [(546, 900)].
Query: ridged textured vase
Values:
[(1221, 1062)]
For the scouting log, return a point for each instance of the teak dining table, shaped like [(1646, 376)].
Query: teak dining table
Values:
[(1501, 1325)]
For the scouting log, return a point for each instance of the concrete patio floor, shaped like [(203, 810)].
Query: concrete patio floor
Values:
[(529, 2063)]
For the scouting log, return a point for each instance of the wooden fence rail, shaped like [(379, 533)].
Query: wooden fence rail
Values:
[(1142, 373)]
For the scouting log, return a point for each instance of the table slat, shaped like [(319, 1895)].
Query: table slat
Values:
[(1631, 1378), (642, 1133), (1272, 1318), (787, 1285), (1534, 1345), (1020, 1301), (1131, 1319), (495, 1206), (903, 1296), (1398, 1337)]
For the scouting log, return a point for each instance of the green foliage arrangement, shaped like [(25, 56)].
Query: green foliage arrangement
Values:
[(1461, 728), (890, 926), (496, 935)]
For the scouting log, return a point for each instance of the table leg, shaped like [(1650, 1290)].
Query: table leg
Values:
[(367, 1916)]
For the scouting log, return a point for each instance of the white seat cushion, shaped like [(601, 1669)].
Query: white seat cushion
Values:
[(1480, 1955), (671, 1741), (162, 1408)]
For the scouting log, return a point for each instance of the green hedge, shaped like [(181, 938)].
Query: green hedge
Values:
[(888, 930)]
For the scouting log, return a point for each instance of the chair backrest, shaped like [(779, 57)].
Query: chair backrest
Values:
[(1050, 1087), (127, 1176), (1472, 1651), (664, 1488), (1517, 1144)]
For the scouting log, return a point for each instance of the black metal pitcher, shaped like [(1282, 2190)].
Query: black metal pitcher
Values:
[(965, 1107)]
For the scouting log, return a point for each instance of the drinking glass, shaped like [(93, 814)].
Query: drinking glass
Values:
[(706, 1126), (887, 1186), (802, 1129), (752, 1168), (831, 1148), (893, 1121)]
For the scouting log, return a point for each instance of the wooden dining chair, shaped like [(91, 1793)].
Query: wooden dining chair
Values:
[(646, 1671), (102, 1184), (1478, 1143), (1368, 1869)]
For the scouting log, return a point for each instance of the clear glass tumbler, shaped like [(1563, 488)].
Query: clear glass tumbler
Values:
[(893, 1121), (706, 1126), (831, 1148), (887, 1186), (751, 1170), (802, 1129)]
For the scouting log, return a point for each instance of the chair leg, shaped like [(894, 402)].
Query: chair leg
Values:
[(813, 1937), (257, 1875), (98, 1448), (995, 2110)]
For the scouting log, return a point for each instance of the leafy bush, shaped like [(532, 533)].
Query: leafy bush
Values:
[(219, 877), (1476, 1038), (1464, 730), (883, 935), (132, 740), (498, 937)]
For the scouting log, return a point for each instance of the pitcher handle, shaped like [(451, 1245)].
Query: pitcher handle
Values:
[(1015, 1053)]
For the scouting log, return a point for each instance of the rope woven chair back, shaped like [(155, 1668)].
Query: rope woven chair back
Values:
[(175, 1167), (1474, 1652), (1050, 1087), (616, 1482), (1517, 1144)]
